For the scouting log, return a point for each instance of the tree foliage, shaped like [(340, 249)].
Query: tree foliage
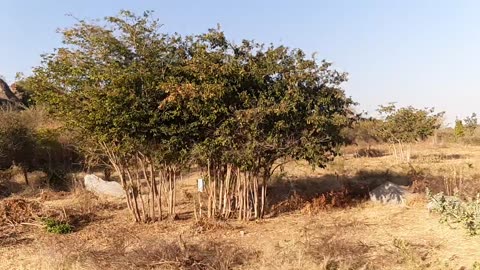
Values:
[(408, 124), (365, 131), (459, 129), (471, 124), (155, 102), (403, 126)]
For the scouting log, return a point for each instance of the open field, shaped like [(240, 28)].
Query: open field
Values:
[(299, 235)]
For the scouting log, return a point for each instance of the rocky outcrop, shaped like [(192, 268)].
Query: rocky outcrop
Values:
[(98, 186), (7, 96)]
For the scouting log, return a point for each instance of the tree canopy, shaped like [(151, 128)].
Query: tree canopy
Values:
[(408, 124), (139, 92)]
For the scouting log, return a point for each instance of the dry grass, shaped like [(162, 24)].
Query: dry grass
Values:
[(16, 211), (340, 230), (146, 254)]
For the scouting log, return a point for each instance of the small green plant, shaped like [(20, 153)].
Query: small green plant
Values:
[(459, 129), (58, 227), (455, 211)]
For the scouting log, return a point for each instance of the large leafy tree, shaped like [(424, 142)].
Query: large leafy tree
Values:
[(152, 102), (115, 84), (258, 105)]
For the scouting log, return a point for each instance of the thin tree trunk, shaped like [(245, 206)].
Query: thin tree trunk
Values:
[(25, 175), (159, 194)]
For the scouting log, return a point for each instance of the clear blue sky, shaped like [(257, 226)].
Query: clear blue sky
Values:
[(415, 52)]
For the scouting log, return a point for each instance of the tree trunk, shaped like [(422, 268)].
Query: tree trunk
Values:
[(25, 175)]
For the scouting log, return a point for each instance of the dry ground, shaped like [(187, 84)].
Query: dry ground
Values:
[(363, 236)]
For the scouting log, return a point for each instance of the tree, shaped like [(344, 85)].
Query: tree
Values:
[(365, 130), (153, 103), (113, 84), (403, 126), (459, 129), (262, 105), (471, 124), (17, 142)]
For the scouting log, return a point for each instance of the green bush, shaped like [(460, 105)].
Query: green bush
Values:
[(456, 211), (58, 227)]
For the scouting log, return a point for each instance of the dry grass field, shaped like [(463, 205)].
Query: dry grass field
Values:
[(304, 231)]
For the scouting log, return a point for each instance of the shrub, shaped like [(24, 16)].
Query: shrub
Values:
[(58, 227), (456, 211)]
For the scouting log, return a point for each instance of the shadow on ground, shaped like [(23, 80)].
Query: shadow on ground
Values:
[(328, 191)]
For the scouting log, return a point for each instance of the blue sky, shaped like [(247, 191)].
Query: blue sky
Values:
[(415, 52)]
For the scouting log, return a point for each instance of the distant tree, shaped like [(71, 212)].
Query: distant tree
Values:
[(471, 124), (459, 129), (403, 126), (365, 130), (17, 142)]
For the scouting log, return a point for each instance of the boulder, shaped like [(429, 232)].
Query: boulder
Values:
[(389, 193), (96, 185)]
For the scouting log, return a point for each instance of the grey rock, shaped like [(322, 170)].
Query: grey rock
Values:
[(389, 193), (97, 185)]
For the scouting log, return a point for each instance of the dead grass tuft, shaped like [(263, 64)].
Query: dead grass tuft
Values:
[(207, 225), (50, 195), (151, 254), (348, 196), (16, 211), (335, 199)]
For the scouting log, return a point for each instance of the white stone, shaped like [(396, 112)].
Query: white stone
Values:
[(389, 193), (101, 187)]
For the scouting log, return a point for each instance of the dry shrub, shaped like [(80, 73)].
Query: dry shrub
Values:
[(438, 157), (16, 211), (151, 254), (369, 153), (88, 202), (415, 256), (349, 196), (85, 208), (329, 200), (50, 195), (337, 252), (324, 247), (79, 212), (294, 203), (36, 179), (207, 225)]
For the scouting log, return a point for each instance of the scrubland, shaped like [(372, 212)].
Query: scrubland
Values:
[(319, 219)]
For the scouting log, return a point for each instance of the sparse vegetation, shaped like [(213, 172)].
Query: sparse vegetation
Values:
[(455, 211), (286, 164)]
